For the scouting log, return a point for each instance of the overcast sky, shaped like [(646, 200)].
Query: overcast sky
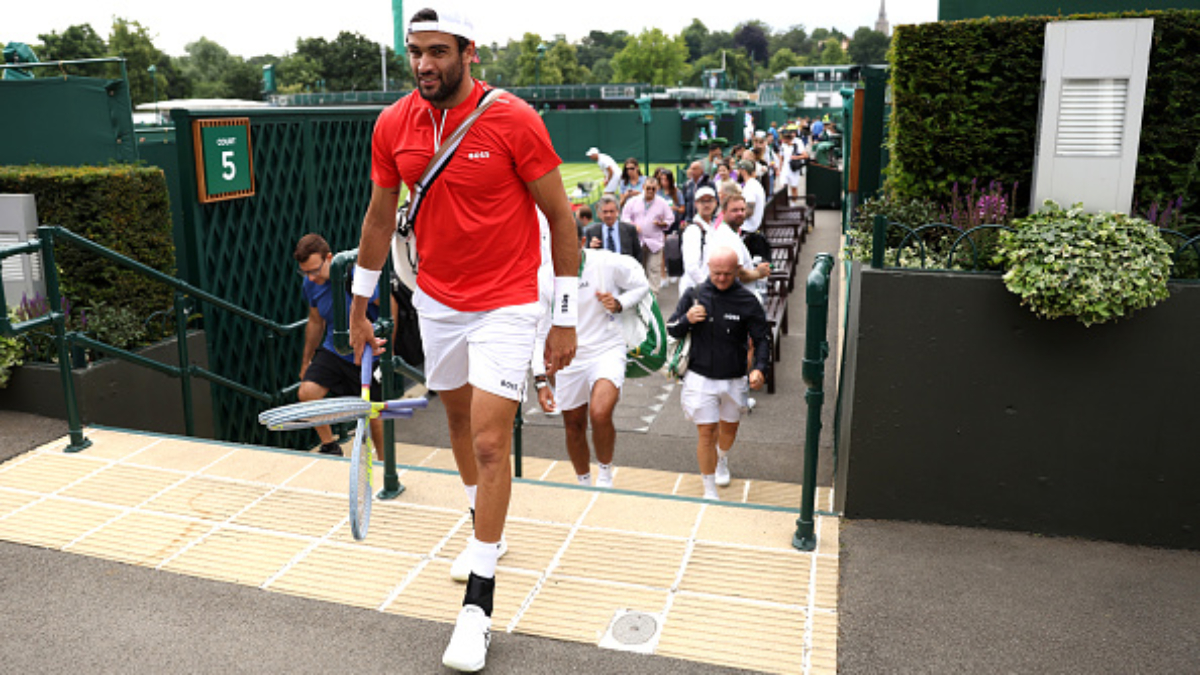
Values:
[(254, 27)]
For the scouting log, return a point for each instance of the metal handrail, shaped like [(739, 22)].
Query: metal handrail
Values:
[(48, 237), (816, 350)]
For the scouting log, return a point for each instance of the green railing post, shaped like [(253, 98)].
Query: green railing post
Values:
[(878, 241), (391, 478), (50, 269), (518, 422), (185, 368), (816, 349)]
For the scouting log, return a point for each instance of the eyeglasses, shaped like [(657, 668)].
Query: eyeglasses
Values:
[(308, 273)]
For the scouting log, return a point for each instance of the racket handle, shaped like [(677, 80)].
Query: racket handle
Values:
[(366, 372), (402, 414), (406, 404)]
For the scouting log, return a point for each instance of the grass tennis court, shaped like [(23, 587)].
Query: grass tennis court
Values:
[(574, 173)]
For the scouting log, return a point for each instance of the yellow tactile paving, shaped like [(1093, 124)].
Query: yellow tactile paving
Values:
[(716, 630), (207, 498), (293, 511), (433, 595), (123, 485), (653, 516), (786, 495), (348, 575), (531, 546), (580, 610), (748, 573), (10, 500), (533, 467), (54, 523), (442, 459), (773, 529), (260, 467), (413, 455), (141, 538), (644, 480), (623, 556), (725, 579), (564, 472), (400, 527), (47, 473), (240, 557), (180, 456)]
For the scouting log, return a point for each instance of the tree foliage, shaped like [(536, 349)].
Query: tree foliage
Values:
[(76, 42), (868, 46), (652, 57), (131, 40), (751, 36), (782, 60)]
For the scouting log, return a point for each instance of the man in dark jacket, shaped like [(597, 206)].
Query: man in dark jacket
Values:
[(719, 314), (609, 233)]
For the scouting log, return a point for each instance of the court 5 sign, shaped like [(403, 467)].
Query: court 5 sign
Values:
[(224, 161)]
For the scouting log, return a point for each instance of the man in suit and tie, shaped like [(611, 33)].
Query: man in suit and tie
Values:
[(612, 235)]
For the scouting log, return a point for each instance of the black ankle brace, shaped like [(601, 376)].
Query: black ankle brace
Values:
[(480, 592)]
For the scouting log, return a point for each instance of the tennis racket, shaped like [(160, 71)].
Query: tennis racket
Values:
[(362, 463)]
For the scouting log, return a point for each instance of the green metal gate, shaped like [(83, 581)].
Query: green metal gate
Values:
[(312, 174)]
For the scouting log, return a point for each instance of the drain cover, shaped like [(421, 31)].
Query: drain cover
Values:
[(634, 628), (632, 631)]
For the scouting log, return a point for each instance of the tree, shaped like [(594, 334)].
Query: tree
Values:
[(563, 56), (868, 46), (783, 59), (716, 41), (694, 35), (597, 45), (131, 40), (832, 53), (795, 38), (602, 72), (297, 73), (205, 64), (652, 57), (76, 42), (533, 69), (752, 37)]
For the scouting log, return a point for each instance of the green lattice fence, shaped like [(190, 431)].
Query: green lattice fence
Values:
[(312, 174)]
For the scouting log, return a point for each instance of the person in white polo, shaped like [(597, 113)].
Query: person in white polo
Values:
[(609, 168)]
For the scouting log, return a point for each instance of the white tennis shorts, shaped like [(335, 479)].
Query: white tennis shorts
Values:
[(573, 384), (489, 350), (708, 401)]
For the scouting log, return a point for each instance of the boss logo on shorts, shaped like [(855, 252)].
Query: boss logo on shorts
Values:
[(510, 385)]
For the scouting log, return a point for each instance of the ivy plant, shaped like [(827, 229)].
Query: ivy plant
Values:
[(1095, 267)]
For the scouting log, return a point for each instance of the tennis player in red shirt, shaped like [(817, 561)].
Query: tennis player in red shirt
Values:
[(478, 244)]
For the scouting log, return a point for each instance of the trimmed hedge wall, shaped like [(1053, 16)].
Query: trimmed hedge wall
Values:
[(965, 106), (124, 208)]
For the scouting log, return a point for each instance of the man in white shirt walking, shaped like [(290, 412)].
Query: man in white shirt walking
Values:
[(702, 237), (756, 196), (588, 389)]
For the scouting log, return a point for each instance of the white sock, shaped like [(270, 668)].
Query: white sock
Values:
[(584, 478), (470, 490), (605, 468), (483, 557), (721, 453), (710, 483)]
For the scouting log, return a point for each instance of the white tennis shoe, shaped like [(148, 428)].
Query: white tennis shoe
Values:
[(460, 569), (723, 476), (467, 651), (605, 478)]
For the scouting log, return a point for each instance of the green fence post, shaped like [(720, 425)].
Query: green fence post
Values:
[(391, 478), (816, 349), (518, 421), (185, 368), (878, 241), (74, 421)]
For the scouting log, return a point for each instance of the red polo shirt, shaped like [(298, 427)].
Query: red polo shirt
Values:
[(477, 233)]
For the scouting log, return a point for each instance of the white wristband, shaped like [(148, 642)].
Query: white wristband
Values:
[(566, 302), (365, 281)]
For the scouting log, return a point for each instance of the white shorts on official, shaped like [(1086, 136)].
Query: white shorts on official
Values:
[(490, 350), (791, 178), (573, 384), (708, 401)]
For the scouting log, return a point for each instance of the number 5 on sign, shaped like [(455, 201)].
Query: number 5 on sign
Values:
[(224, 163)]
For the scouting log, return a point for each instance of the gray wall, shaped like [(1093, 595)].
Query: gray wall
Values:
[(961, 407), (118, 394)]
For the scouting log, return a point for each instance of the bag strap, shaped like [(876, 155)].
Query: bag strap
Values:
[(442, 158)]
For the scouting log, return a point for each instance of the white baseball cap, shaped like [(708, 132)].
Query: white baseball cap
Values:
[(592, 151), (449, 21), (706, 192)]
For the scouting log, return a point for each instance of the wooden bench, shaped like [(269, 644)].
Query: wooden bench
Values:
[(777, 324)]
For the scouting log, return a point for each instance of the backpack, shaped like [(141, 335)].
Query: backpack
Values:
[(408, 329)]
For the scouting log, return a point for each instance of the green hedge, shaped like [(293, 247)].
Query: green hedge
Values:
[(966, 95), (124, 208)]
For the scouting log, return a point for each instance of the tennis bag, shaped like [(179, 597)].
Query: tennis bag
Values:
[(677, 358), (645, 338)]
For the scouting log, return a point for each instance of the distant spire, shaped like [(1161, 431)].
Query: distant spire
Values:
[(881, 24)]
